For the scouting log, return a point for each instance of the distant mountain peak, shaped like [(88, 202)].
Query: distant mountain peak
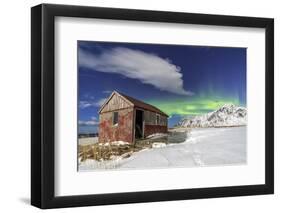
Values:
[(227, 115), (228, 105)]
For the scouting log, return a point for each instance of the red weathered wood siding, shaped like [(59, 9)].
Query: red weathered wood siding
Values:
[(152, 129), (151, 125), (155, 121), (121, 132)]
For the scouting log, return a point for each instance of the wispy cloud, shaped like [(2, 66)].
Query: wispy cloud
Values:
[(88, 123), (101, 101), (86, 104), (146, 67), (91, 103), (92, 122), (107, 91), (88, 96)]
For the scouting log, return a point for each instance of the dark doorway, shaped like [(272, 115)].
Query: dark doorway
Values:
[(139, 124)]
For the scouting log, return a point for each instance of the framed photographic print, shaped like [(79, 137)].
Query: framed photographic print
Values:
[(139, 106)]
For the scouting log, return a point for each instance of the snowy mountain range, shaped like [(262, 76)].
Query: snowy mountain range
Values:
[(227, 115)]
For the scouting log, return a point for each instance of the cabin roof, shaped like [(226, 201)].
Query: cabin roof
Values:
[(137, 103), (143, 105)]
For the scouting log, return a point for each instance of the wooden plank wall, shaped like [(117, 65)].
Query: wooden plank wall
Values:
[(115, 103), (150, 118)]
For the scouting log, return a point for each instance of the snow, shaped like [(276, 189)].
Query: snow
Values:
[(227, 115), (157, 135), (158, 145), (117, 143), (202, 147)]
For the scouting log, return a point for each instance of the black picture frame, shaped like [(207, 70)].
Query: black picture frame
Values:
[(43, 102)]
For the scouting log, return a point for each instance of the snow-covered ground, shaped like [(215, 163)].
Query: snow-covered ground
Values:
[(202, 147), (157, 135)]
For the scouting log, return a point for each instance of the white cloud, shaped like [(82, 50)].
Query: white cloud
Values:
[(101, 102), (146, 67), (88, 96), (92, 122), (107, 91), (85, 104), (89, 103), (88, 123)]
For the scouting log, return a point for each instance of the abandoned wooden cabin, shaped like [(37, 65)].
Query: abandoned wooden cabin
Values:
[(123, 118)]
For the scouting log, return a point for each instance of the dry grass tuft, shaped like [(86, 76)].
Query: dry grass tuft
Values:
[(101, 152)]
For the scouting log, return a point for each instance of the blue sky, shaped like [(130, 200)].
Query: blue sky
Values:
[(180, 80)]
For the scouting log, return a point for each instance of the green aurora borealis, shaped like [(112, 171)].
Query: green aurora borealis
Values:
[(181, 80), (209, 98), (194, 105)]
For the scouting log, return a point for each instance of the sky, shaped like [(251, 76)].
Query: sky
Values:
[(180, 80)]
